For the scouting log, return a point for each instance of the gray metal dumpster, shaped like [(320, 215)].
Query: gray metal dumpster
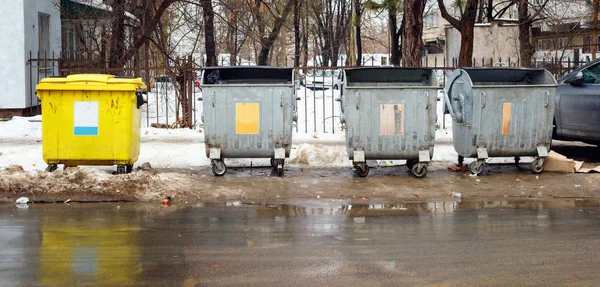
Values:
[(501, 112), (248, 113), (390, 113)]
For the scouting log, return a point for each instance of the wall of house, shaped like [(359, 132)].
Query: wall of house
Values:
[(18, 91), (12, 67), (31, 43), (492, 42)]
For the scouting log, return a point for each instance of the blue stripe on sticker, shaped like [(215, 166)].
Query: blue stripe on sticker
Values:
[(86, 131)]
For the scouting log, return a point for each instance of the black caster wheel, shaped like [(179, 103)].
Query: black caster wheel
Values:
[(218, 167), (410, 163), (476, 167), (362, 170), (121, 169), (537, 166), (419, 170), (273, 163)]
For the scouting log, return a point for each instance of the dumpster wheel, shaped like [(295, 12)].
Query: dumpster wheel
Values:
[(51, 167), (218, 167), (537, 166), (476, 167), (419, 170), (122, 169), (410, 163), (362, 169), (278, 164), (129, 168)]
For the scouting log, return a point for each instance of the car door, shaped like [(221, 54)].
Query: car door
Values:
[(579, 107)]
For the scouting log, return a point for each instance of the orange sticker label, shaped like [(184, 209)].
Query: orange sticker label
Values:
[(506, 118), (391, 119)]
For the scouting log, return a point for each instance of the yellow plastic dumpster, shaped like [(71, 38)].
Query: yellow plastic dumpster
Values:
[(91, 119)]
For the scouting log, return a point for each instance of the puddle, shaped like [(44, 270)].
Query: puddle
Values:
[(407, 208), (64, 244)]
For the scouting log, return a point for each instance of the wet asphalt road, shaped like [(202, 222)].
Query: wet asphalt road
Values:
[(304, 243)]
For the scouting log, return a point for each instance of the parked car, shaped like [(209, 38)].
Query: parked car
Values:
[(577, 114), (323, 79)]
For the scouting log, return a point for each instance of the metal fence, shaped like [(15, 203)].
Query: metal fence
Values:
[(172, 84), (174, 87)]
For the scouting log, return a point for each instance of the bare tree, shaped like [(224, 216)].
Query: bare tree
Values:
[(393, 7), (332, 24), (595, 7), (412, 36), (466, 26), (260, 11), (209, 32), (297, 6), (526, 19), (356, 22)]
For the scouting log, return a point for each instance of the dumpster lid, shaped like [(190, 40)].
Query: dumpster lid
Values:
[(247, 75), (91, 82), (509, 76), (391, 76)]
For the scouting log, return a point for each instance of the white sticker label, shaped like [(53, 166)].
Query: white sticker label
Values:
[(85, 120)]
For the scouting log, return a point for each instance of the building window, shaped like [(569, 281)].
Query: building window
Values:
[(587, 44), (431, 20), (552, 44), (44, 40)]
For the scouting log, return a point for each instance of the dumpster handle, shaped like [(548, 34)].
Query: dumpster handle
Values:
[(427, 97), (455, 116), (482, 99), (451, 109), (546, 99), (140, 98), (357, 99)]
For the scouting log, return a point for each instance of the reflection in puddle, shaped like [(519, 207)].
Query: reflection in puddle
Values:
[(103, 245), (409, 208)]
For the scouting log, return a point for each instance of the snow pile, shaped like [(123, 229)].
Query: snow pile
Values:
[(21, 127), (142, 185), (320, 155)]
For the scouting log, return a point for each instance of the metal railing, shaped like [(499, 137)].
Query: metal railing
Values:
[(174, 87)]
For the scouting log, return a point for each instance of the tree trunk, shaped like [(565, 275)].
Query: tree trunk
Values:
[(358, 38), (526, 48), (267, 42), (209, 33), (595, 28), (467, 34), (297, 5), (490, 10), (465, 56), (117, 38), (394, 41), (412, 40), (305, 37), (466, 27), (231, 43), (351, 51)]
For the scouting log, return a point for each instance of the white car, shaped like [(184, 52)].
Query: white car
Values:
[(318, 79)]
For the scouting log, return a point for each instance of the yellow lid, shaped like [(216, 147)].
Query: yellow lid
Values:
[(91, 82)]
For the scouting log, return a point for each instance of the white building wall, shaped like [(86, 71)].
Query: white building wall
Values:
[(31, 12), (19, 22), (12, 42)]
